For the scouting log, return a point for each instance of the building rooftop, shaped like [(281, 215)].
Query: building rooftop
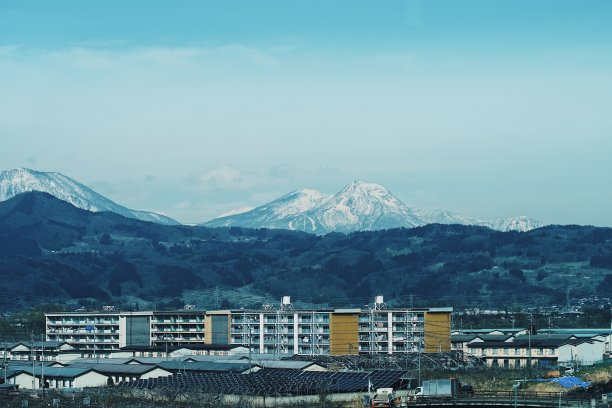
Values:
[(109, 368), (594, 331), (209, 366), (188, 346), (486, 331), (275, 309), (283, 364), (48, 345), (56, 372), (541, 343)]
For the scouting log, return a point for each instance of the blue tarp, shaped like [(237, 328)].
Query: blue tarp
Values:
[(570, 382)]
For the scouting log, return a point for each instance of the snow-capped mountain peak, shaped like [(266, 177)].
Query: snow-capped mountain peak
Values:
[(359, 206), (22, 180), (360, 191)]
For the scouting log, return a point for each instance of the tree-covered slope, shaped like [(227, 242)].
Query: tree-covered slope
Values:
[(52, 251)]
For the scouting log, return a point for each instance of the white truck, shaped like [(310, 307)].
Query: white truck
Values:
[(438, 389)]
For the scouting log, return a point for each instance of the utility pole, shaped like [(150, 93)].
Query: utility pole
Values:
[(166, 343), (419, 364), (94, 342), (515, 388), (549, 323), (33, 357), (250, 347), (4, 363), (529, 343), (42, 363)]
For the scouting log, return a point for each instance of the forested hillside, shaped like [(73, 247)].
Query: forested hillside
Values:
[(51, 251)]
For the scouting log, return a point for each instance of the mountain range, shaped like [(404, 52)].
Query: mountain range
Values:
[(359, 206), (22, 180), (53, 252)]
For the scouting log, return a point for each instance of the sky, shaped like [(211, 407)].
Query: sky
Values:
[(195, 108)]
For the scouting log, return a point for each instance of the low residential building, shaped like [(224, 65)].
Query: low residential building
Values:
[(124, 372), (602, 334), (39, 351), (520, 352), (56, 377), (462, 342)]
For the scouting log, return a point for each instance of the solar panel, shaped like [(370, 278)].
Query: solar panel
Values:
[(273, 382)]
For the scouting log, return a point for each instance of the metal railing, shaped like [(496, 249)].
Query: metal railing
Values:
[(504, 398)]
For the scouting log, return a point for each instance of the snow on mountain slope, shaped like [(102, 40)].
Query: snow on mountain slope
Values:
[(359, 206), (21, 180), (235, 212), (445, 217), (520, 223), (275, 214)]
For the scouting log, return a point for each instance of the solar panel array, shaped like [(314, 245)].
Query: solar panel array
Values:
[(271, 382), (399, 361)]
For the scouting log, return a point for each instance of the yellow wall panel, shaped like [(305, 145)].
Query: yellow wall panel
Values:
[(437, 332), (343, 336), (207, 329)]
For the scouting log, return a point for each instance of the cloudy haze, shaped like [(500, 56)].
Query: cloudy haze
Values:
[(483, 108)]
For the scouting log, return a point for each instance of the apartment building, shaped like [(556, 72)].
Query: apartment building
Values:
[(335, 331), (281, 329), (174, 329), (96, 334)]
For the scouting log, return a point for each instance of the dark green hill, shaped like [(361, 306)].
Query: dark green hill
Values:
[(51, 251)]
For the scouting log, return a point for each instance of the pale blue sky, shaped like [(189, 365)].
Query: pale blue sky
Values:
[(193, 108)]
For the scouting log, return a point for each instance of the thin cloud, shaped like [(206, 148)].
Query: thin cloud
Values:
[(225, 178)]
